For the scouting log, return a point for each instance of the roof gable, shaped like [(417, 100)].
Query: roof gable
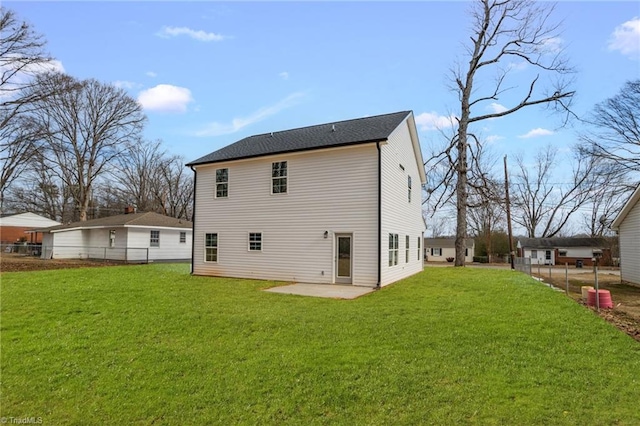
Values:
[(328, 135), (27, 220), (631, 202)]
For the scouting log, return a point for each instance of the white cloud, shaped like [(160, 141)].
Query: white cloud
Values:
[(432, 121), (151, 74), (165, 98), (491, 139), (551, 45), (495, 107), (534, 133), (18, 74), (284, 75), (123, 84), (626, 38), (217, 129), (199, 35)]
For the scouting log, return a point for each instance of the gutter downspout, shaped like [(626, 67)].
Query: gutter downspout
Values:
[(193, 218), (379, 215)]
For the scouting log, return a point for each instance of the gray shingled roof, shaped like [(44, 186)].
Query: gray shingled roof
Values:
[(148, 219), (551, 243), (340, 133)]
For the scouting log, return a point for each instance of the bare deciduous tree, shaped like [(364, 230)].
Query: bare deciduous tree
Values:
[(22, 55), (615, 132), (505, 34), (84, 126), (608, 191), (541, 203)]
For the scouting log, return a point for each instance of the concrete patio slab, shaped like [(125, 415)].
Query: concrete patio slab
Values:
[(322, 290)]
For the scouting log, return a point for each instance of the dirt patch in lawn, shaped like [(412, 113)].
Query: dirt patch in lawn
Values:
[(626, 298), (21, 263)]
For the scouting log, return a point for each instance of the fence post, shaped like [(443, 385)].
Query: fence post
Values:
[(566, 276), (147, 255), (549, 271), (104, 259), (595, 269), (126, 255)]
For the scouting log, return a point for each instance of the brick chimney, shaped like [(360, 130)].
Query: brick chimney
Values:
[(129, 210)]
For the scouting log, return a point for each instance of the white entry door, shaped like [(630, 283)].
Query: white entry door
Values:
[(344, 258)]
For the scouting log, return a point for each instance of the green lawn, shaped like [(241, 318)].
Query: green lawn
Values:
[(152, 344)]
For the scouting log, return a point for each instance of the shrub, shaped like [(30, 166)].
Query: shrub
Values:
[(450, 259)]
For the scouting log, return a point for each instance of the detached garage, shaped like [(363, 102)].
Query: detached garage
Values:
[(135, 237)]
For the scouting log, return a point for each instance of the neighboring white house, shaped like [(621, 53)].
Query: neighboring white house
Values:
[(136, 237), (578, 251), (627, 223), (439, 249), (332, 203)]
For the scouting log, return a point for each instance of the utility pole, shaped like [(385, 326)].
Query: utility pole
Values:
[(508, 204)]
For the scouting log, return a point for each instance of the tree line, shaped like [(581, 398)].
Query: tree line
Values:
[(73, 149), (465, 175)]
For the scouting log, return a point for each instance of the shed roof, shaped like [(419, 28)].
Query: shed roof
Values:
[(341, 133), (148, 219)]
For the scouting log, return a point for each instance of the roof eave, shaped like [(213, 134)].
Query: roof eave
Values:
[(317, 148)]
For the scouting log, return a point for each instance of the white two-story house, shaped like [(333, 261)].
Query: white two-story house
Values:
[(335, 203)]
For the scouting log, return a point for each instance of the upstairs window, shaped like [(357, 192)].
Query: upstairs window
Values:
[(279, 177), (154, 239), (409, 187), (255, 241), (222, 183)]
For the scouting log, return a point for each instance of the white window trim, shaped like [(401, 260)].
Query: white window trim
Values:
[(217, 247), (215, 189), (112, 241), (150, 242), (279, 177), (261, 241), (393, 250)]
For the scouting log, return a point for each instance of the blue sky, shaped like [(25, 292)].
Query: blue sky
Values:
[(211, 73)]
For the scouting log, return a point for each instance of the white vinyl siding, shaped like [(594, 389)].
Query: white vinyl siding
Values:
[(294, 247), (131, 244), (629, 232), (398, 214)]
